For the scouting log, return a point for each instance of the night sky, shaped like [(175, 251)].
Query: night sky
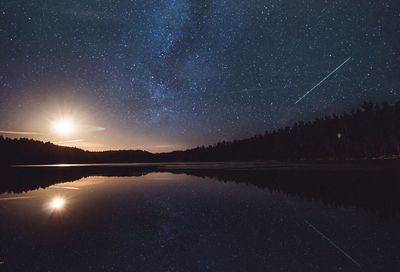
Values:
[(165, 75)]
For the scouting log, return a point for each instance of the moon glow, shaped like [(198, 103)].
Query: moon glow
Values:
[(63, 127)]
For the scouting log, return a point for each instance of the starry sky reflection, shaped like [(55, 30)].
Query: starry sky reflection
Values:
[(170, 222)]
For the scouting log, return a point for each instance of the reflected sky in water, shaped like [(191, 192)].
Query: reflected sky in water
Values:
[(177, 222)]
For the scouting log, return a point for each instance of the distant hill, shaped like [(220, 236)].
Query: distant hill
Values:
[(372, 131), (27, 151)]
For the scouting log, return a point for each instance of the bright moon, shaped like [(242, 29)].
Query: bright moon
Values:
[(63, 127)]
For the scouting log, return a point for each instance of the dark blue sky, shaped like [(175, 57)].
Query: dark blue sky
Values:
[(165, 75)]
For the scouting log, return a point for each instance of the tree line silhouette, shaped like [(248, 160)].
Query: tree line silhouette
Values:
[(368, 132), (372, 131)]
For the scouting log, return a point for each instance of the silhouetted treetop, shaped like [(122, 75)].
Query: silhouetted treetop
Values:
[(371, 131)]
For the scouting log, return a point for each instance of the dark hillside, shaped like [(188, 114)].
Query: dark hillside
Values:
[(372, 131)]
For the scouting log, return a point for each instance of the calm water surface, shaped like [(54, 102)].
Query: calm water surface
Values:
[(177, 222)]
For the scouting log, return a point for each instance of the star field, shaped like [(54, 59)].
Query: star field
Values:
[(164, 75)]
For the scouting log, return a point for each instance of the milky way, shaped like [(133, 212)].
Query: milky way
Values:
[(175, 74)]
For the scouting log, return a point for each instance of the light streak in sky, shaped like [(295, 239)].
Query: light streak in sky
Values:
[(69, 141), (18, 132), (325, 78)]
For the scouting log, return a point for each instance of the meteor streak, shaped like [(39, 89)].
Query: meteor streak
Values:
[(325, 78)]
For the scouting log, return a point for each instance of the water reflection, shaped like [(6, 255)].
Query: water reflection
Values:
[(177, 222), (57, 204), (372, 186), (65, 187)]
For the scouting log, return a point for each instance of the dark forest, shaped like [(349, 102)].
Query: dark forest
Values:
[(369, 132)]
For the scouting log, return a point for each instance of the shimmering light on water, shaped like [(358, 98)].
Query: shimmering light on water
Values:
[(56, 204)]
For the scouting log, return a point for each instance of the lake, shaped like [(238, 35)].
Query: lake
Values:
[(201, 217)]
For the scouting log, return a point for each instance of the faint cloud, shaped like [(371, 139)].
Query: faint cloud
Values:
[(81, 143), (165, 148), (13, 132), (68, 141)]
